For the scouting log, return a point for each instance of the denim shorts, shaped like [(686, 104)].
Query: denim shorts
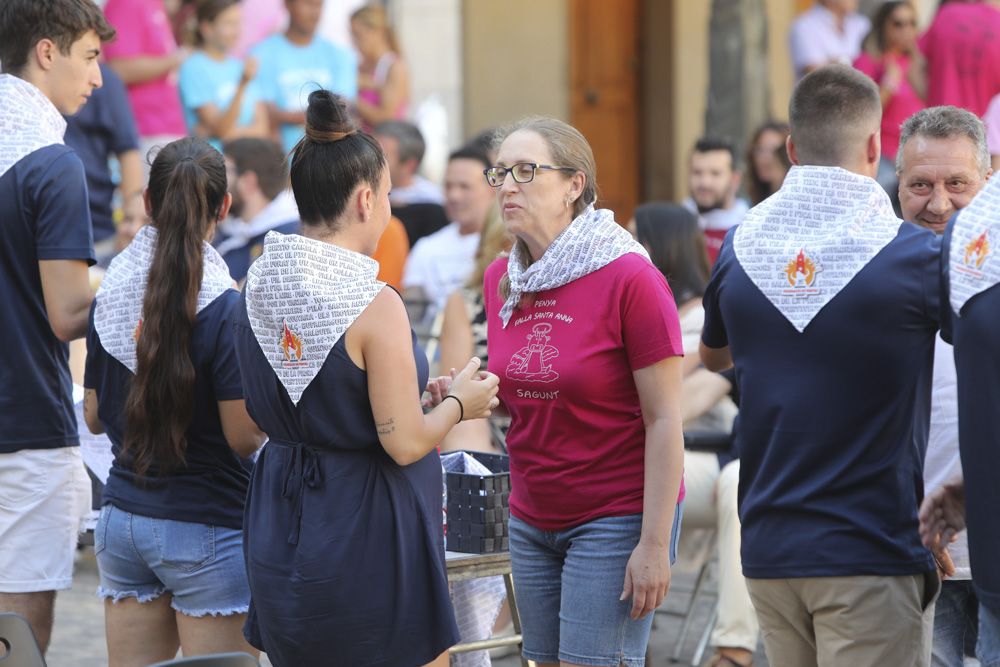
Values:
[(567, 584), (199, 565)]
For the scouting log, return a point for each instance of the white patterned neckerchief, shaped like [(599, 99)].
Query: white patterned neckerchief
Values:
[(592, 241), (28, 121), (975, 239), (118, 313), (802, 245), (301, 296)]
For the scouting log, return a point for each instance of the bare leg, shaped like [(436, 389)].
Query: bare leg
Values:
[(440, 661), (213, 634), (140, 634), (37, 608)]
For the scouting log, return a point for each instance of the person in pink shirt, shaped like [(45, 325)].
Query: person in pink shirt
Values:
[(962, 48), (147, 58), (889, 60), (583, 331), (383, 78)]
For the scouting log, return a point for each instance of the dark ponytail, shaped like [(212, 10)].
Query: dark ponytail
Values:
[(187, 187), (331, 160)]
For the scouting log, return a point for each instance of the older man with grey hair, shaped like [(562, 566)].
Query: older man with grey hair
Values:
[(943, 161)]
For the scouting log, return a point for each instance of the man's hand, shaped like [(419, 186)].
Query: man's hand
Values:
[(942, 516)]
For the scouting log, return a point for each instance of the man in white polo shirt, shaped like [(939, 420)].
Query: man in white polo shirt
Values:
[(830, 31)]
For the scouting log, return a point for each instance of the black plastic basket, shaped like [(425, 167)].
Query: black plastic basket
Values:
[(479, 507)]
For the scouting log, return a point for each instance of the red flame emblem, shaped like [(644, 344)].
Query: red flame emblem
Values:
[(801, 266), (291, 344), (977, 250)]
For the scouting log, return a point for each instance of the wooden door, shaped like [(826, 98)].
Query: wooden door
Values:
[(604, 95)]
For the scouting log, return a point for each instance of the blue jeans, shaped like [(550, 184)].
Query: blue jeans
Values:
[(567, 585), (988, 647), (956, 621), (199, 565)]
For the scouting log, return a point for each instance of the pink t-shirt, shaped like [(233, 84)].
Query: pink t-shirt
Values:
[(144, 30), (565, 362), (963, 56), (901, 106)]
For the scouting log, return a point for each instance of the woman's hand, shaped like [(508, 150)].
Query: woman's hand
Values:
[(437, 389), (647, 578), (476, 390)]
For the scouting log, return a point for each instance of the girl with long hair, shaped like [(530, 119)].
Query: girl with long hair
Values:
[(766, 157), (893, 60), (383, 77), (163, 383)]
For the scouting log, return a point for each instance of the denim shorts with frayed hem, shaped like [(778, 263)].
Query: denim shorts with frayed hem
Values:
[(199, 565), (568, 583)]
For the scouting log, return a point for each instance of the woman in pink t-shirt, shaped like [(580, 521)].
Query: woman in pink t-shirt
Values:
[(583, 331), (383, 79), (892, 59)]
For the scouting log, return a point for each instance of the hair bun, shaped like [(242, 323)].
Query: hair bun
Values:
[(328, 118)]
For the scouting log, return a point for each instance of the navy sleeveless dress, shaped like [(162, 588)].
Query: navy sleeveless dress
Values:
[(344, 547)]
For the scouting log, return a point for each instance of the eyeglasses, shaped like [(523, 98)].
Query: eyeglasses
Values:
[(523, 172)]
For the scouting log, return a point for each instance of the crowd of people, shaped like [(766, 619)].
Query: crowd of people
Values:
[(259, 232)]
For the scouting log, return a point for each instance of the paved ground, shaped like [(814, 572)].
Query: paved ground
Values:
[(78, 638)]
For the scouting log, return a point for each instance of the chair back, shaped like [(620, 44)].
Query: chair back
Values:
[(215, 660), (18, 646)]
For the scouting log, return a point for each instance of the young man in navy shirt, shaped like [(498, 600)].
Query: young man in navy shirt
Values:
[(827, 305), (971, 274), (49, 51)]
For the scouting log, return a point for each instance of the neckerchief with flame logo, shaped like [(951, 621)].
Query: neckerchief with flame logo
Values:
[(975, 240), (301, 296), (28, 121), (118, 313), (802, 245)]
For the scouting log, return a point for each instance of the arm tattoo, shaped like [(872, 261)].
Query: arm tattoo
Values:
[(386, 427)]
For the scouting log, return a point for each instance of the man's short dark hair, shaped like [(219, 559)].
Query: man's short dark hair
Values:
[(263, 157), (24, 23), (833, 109), (411, 142), (711, 144), (471, 153)]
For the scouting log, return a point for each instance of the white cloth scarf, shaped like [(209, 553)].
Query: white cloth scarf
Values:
[(592, 241), (118, 314), (802, 245), (280, 211), (301, 296), (975, 237), (28, 121)]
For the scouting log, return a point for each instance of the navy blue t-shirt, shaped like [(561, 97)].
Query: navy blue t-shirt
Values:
[(43, 215), (976, 336), (211, 488), (833, 420), (239, 259), (104, 126)]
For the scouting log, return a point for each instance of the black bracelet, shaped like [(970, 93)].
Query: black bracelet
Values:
[(461, 408)]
